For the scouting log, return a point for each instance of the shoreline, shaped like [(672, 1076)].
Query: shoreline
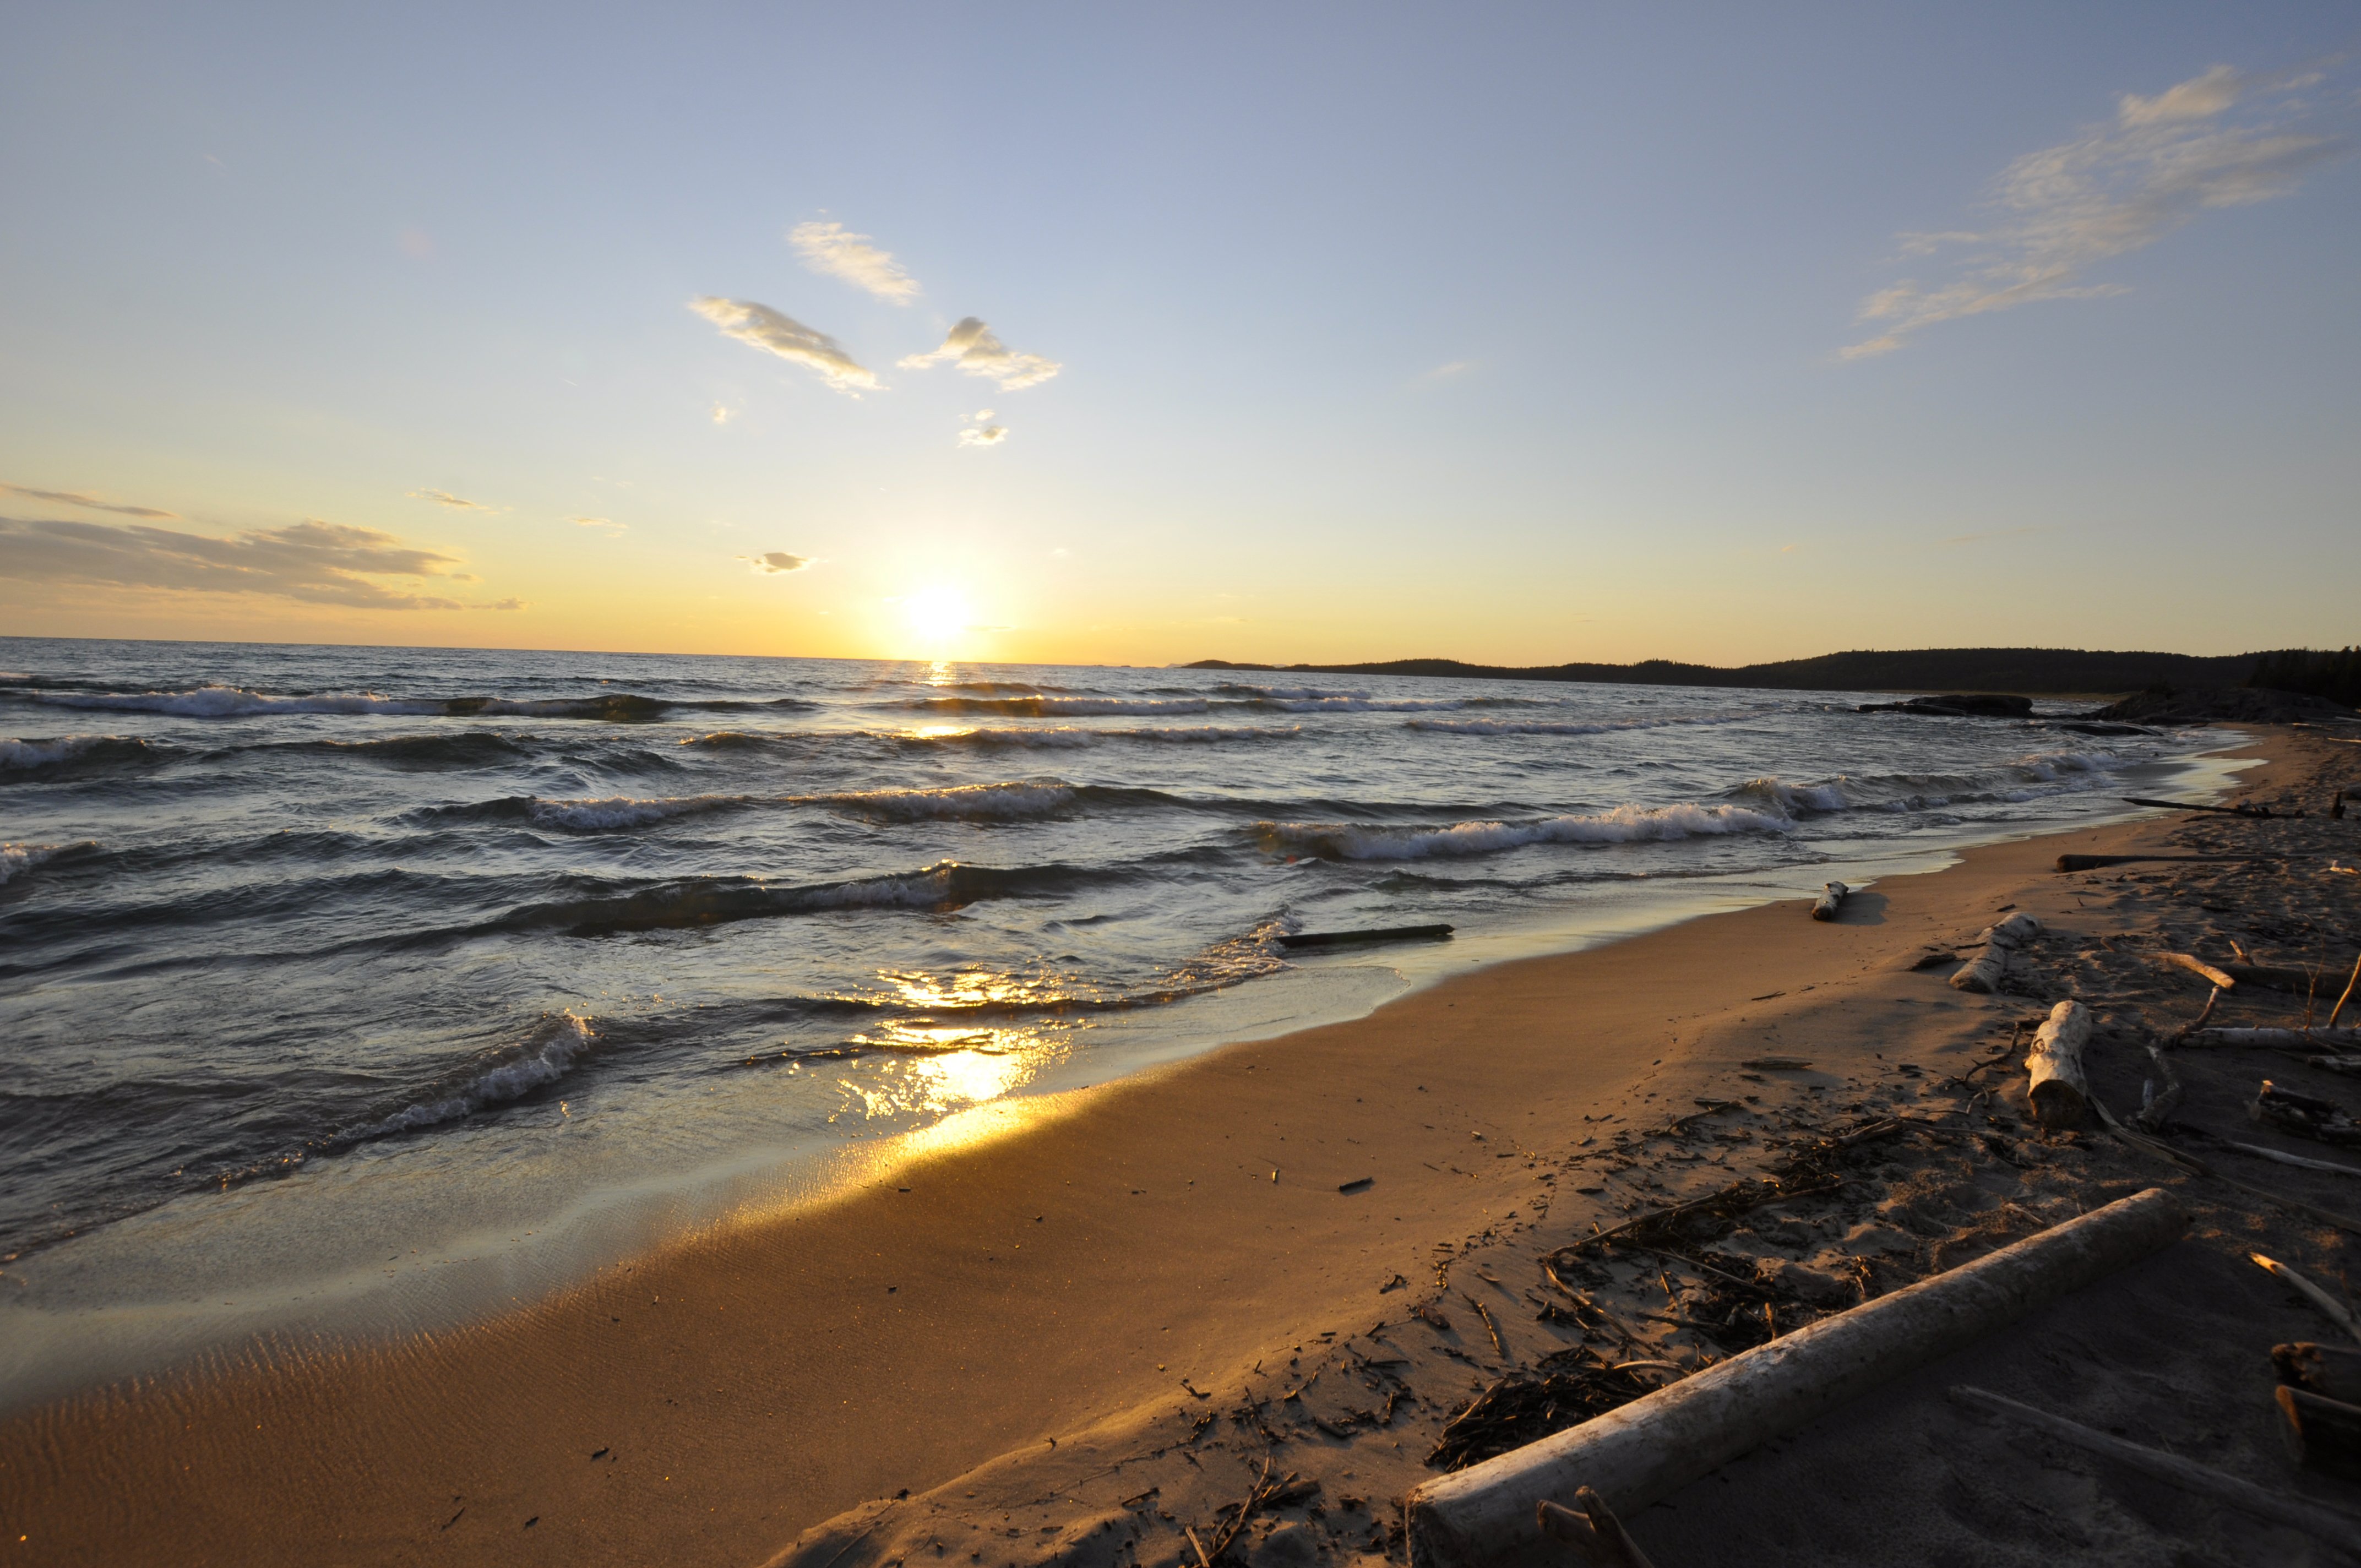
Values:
[(162, 1306), (748, 1383)]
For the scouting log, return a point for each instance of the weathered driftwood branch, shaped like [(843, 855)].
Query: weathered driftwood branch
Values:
[(2283, 1157), (2337, 1311), (2098, 862), (1982, 973), (2280, 1039), (2258, 812), (2319, 1520), (2331, 1370), (2320, 1433), (2198, 966), (1484, 1515), (2190, 1163), (1831, 899), (2339, 1008), (2059, 1092), (2156, 1110), (1593, 1531), (1356, 938), (2305, 1115)]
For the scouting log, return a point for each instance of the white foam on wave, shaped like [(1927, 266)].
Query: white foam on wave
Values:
[(557, 1045), (1624, 825), (1240, 688), (1070, 736), (625, 811), (990, 803), (234, 702), (15, 860), (48, 753)]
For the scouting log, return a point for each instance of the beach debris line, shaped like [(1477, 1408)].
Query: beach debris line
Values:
[(1644, 1451), (1595, 1531), (1982, 973), (1831, 900), (2059, 1090), (2318, 1519), (1363, 939)]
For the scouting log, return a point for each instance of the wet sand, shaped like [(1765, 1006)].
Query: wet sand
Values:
[(1091, 1261)]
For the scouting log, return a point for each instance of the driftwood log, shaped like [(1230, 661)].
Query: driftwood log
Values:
[(1484, 1515), (2198, 966), (1831, 899), (2059, 1090), (2320, 1433), (2337, 1311), (2319, 1520), (2280, 1039), (1982, 973), (2099, 862), (2305, 1115), (2332, 1370)]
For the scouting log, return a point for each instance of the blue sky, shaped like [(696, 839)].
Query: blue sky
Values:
[(1507, 333)]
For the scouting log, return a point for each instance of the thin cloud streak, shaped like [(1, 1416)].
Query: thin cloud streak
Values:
[(973, 348), (87, 502), (826, 248), (313, 562), (2116, 189), (775, 561), (446, 498), (774, 332)]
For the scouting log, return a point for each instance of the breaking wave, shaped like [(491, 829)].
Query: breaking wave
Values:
[(74, 751), (1624, 825), (692, 901), (15, 860), (1565, 727), (239, 702), (492, 1079)]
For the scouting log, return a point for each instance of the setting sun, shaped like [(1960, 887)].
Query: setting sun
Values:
[(937, 616)]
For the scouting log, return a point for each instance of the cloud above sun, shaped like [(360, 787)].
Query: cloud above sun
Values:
[(312, 562), (973, 347), (775, 561), (826, 249), (2116, 188), (774, 332)]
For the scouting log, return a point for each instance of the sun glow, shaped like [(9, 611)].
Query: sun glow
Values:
[(938, 619)]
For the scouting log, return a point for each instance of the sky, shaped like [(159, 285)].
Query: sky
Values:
[(1513, 334)]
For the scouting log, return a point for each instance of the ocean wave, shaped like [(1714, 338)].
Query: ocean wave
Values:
[(83, 750), (469, 749), (543, 1058), (1068, 737), (15, 860), (2027, 778), (1624, 825), (239, 702), (626, 811), (1565, 727), (1240, 688), (966, 803), (1038, 706), (692, 901)]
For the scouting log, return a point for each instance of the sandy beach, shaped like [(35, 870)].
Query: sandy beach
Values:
[(1071, 1328)]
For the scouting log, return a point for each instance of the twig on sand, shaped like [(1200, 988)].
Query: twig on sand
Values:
[(2319, 1520), (2338, 1312), (2348, 994), (1490, 1327), (1595, 1531)]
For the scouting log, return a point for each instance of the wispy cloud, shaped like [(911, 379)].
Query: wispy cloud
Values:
[(973, 348), (788, 338), (723, 413), (446, 498), (772, 561), (2115, 189), (827, 248), (607, 524), (87, 502), (313, 561), (989, 435), (506, 604)]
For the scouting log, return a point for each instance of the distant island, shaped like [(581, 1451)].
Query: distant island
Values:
[(2054, 672)]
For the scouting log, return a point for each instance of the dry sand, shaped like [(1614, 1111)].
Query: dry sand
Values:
[(1069, 1330)]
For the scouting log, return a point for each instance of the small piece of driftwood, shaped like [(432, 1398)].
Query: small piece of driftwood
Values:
[(1831, 899), (1485, 1516), (1359, 938), (2336, 1011), (2331, 1370), (2349, 1066), (2059, 1092), (2283, 1157), (2280, 1039), (1776, 1064), (2156, 1109), (2337, 1311), (2320, 1433), (2318, 1519), (1982, 973), (2258, 812), (2190, 1163), (2199, 967), (2275, 977), (1592, 1530)]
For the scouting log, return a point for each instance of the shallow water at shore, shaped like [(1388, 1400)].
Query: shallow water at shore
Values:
[(328, 969)]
